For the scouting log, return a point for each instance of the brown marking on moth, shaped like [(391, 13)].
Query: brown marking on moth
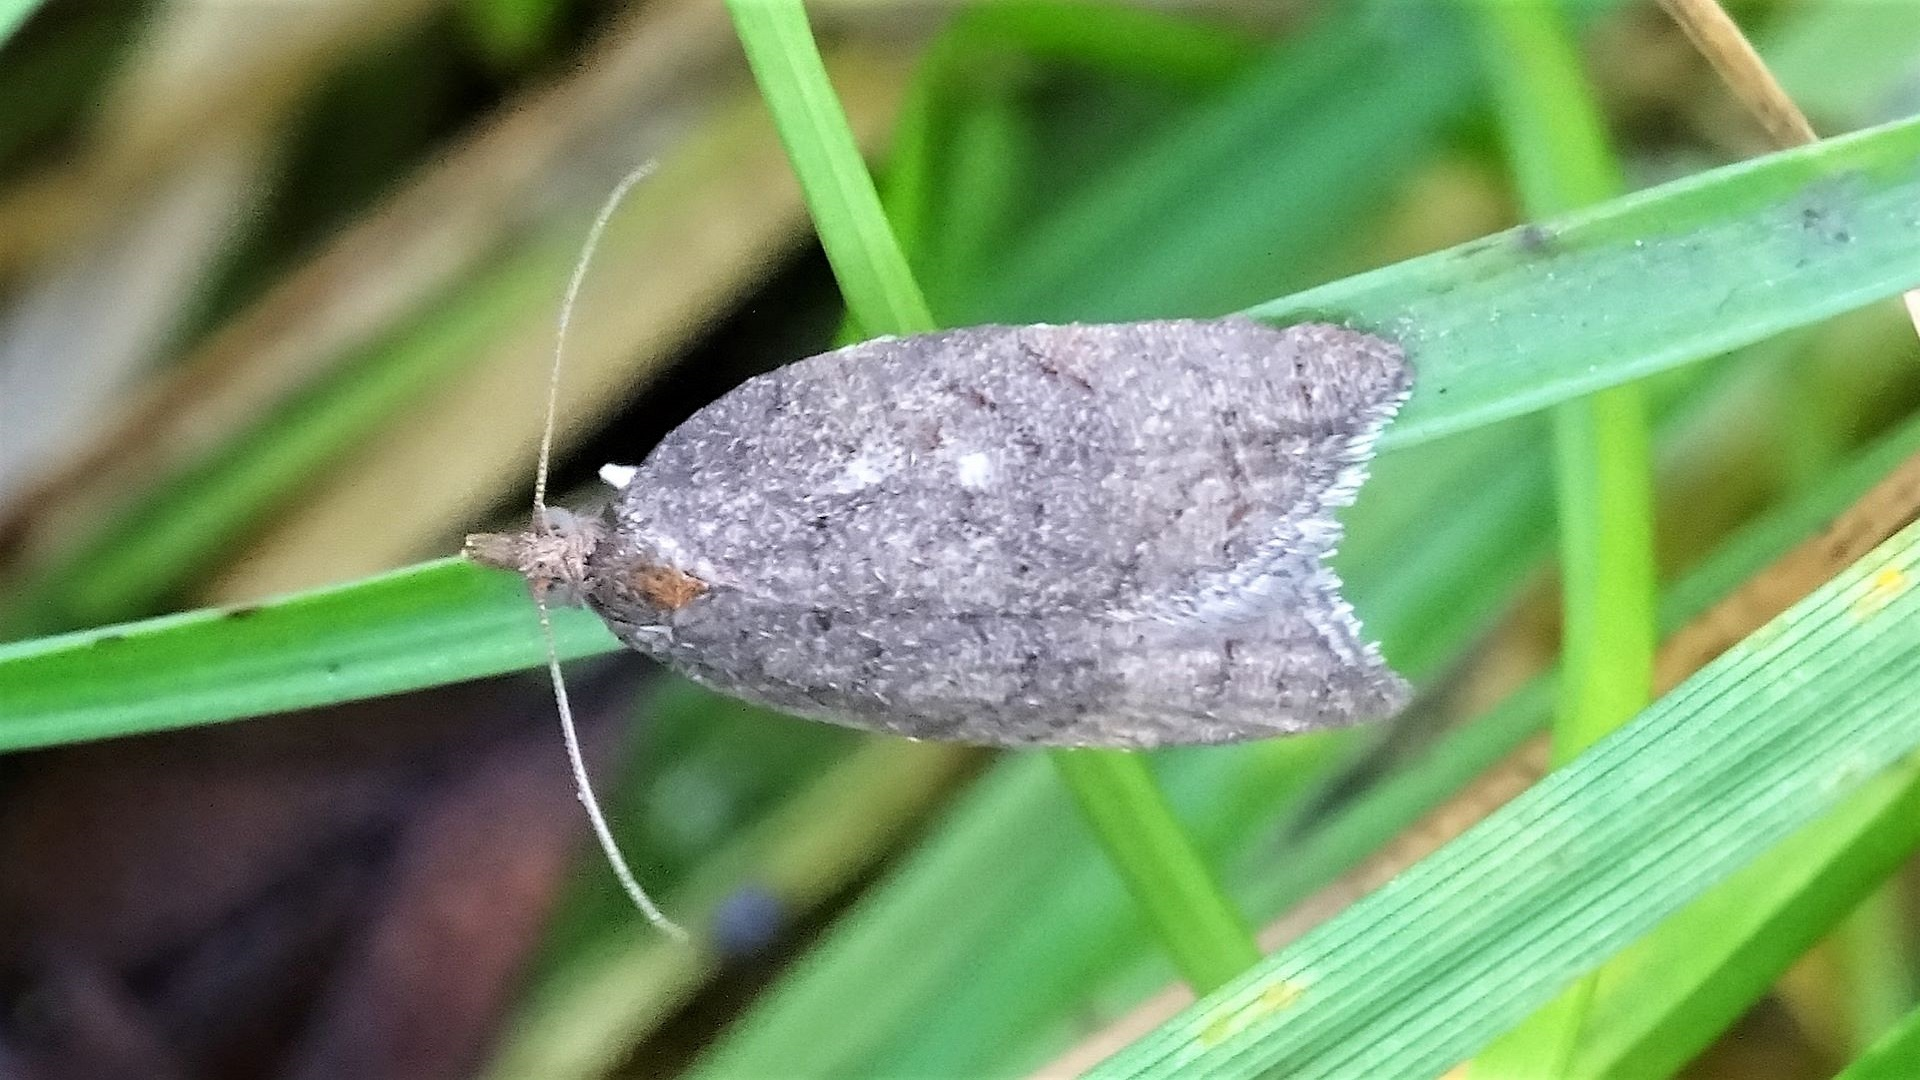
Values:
[(1053, 370), (973, 396), (930, 436), (664, 587)]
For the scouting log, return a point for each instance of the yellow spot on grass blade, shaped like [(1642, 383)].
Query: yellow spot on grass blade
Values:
[(1271, 1000), (1886, 585)]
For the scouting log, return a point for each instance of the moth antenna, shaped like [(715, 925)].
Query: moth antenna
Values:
[(583, 788), (582, 785), (560, 334)]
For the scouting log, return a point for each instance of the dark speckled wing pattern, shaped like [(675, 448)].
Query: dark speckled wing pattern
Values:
[(1079, 535)]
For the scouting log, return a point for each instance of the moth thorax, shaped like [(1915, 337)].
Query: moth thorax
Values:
[(552, 556)]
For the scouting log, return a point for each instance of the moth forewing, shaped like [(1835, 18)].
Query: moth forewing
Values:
[(1017, 535)]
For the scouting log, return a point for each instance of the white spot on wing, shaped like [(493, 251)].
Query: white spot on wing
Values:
[(975, 469), (860, 473), (618, 476)]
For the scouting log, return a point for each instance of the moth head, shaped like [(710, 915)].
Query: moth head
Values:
[(552, 555)]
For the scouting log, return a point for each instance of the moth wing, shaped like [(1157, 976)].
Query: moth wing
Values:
[(1157, 470), (1061, 680), (1058, 535)]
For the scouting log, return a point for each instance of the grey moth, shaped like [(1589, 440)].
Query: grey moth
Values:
[(1078, 535)]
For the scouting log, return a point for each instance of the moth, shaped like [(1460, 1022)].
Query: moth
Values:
[(1075, 535)]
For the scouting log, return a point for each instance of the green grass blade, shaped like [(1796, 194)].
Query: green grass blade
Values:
[(1198, 924), (1119, 38), (1427, 970), (1557, 145), (1403, 797), (1667, 997), (868, 263), (1222, 213), (1526, 319), (427, 625), (1207, 936), (1875, 959), (1896, 1056), (13, 15), (1604, 460), (511, 31)]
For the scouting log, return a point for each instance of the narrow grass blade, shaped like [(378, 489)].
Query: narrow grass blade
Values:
[(1119, 795), (439, 622), (1207, 936), (1223, 212), (867, 261), (1556, 141), (1162, 46), (1425, 971), (1557, 144), (13, 15), (1403, 797), (1895, 1057), (1666, 998), (1523, 319)]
